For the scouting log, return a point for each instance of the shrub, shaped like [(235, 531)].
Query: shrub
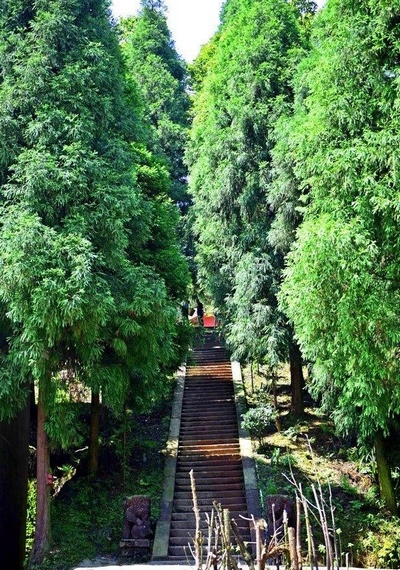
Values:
[(258, 421), (381, 542)]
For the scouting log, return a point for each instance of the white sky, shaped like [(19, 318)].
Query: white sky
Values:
[(192, 22)]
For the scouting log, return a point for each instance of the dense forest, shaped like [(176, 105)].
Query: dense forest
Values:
[(264, 175), (293, 158)]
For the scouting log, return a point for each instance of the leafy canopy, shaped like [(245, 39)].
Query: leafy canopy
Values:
[(341, 286)]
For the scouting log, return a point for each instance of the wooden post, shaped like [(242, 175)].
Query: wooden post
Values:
[(243, 550), (294, 563), (260, 560), (274, 525), (198, 538), (215, 549), (298, 533), (231, 562), (324, 527), (310, 538), (209, 540), (334, 533)]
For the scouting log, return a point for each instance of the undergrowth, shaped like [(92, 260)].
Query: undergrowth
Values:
[(310, 449), (87, 514)]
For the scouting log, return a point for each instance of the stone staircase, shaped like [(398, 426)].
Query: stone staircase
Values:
[(209, 445)]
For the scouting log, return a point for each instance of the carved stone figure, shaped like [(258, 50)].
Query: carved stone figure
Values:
[(275, 505), (136, 517)]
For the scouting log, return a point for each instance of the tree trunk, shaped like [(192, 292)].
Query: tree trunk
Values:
[(94, 434), (32, 406), (385, 480), (278, 423), (43, 528), (14, 452), (297, 380)]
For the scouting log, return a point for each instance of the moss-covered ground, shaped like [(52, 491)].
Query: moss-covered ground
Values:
[(308, 451)]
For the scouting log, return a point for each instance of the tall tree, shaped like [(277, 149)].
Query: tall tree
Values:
[(161, 74), (74, 221), (341, 286), (245, 87), (146, 341)]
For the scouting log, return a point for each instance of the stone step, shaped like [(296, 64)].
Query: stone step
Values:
[(207, 397), (211, 485), (209, 354), (211, 458), (207, 415), (177, 555), (210, 385), (214, 426), (202, 447), (202, 463), (212, 435), (209, 470), (201, 365), (179, 518), (213, 420), (192, 441), (188, 427), (209, 495), (189, 526), (181, 541), (231, 503), (208, 446), (209, 409)]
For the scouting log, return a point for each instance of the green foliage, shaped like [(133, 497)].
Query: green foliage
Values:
[(88, 512), (202, 65), (153, 63), (90, 522), (381, 542), (343, 269), (157, 5), (243, 81), (335, 274), (63, 426), (370, 538), (31, 514), (259, 420), (91, 265), (65, 210)]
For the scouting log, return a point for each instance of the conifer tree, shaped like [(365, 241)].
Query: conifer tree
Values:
[(341, 286), (77, 287), (245, 88), (161, 74)]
